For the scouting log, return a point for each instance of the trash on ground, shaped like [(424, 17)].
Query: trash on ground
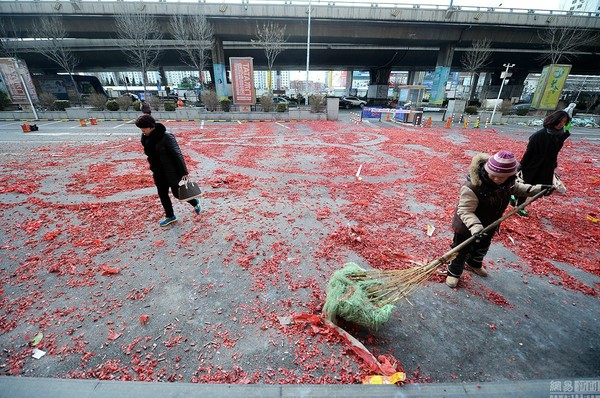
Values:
[(378, 379), (430, 230), (36, 339), (37, 353)]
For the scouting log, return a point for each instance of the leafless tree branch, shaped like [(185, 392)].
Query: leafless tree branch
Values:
[(140, 34), (476, 58), (271, 37), (9, 38), (563, 41), (53, 35), (195, 38)]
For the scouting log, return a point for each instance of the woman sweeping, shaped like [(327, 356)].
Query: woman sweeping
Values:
[(166, 162), (483, 199), (541, 156)]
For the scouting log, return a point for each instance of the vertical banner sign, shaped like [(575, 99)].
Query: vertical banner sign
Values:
[(550, 85), (10, 68), (242, 78), (3, 86), (438, 87), (220, 80)]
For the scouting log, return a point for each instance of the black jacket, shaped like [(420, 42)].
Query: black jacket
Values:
[(541, 157), (164, 156)]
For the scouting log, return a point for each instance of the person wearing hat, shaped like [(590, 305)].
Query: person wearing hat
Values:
[(483, 199), (166, 163), (541, 156)]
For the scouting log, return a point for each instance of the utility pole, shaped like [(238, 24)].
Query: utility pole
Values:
[(308, 51), (504, 76)]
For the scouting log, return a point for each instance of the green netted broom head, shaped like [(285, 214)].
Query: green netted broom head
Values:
[(347, 298)]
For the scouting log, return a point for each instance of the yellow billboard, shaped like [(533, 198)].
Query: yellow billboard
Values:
[(550, 85)]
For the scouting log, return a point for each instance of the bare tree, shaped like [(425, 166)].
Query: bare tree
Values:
[(195, 38), (476, 58), (271, 37), (9, 38), (139, 36), (51, 36), (563, 41)]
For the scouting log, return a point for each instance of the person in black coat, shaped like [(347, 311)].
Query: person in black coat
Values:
[(541, 156), (166, 163)]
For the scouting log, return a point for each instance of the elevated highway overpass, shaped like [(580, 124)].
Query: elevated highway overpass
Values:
[(344, 35)]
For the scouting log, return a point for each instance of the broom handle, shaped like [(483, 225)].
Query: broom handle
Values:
[(443, 259)]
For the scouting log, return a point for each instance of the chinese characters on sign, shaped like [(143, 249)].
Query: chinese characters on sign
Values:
[(242, 79), (14, 74), (575, 389), (550, 86)]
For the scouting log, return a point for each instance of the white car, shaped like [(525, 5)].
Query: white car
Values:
[(280, 100), (353, 101)]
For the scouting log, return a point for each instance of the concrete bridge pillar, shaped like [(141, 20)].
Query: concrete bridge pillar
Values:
[(513, 87), (163, 76), (218, 54), (219, 76), (414, 78), (441, 74), (445, 55), (378, 85), (474, 82), (349, 79)]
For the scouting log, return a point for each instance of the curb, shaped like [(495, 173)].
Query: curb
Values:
[(38, 387)]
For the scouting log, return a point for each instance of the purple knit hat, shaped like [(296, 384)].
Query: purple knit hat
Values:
[(502, 164)]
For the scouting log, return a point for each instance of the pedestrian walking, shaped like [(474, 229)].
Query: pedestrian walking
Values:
[(483, 199), (541, 156), (166, 163), (146, 108)]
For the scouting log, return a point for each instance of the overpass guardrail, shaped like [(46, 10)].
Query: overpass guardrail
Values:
[(440, 6)]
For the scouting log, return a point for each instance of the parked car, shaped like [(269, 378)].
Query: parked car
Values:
[(290, 100), (171, 97), (522, 109), (344, 104), (349, 102), (280, 100)]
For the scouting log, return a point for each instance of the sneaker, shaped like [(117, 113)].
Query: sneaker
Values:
[(523, 213), (197, 208), (167, 221), (513, 201), (451, 281), (480, 271)]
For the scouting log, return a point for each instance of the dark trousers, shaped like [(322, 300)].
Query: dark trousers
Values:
[(473, 254), (163, 193)]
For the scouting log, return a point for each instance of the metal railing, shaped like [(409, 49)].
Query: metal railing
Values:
[(467, 5)]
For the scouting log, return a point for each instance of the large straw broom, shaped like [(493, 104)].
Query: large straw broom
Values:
[(390, 286)]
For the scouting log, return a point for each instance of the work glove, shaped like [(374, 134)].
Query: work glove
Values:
[(476, 232), (480, 236), (549, 189)]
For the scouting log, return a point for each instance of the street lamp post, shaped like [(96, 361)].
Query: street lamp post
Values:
[(307, 51), (507, 66)]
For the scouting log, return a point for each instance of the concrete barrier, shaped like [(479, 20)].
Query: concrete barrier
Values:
[(178, 114)]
